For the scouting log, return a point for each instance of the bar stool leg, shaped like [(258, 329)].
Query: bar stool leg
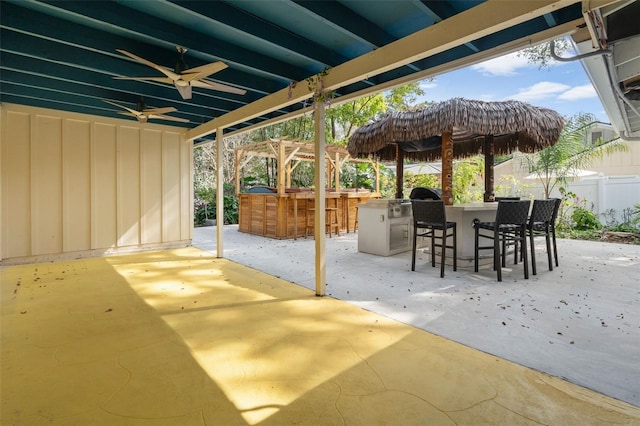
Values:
[(332, 221), (308, 220), (355, 227)]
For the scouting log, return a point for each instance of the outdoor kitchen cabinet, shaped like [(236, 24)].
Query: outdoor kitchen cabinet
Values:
[(385, 227)]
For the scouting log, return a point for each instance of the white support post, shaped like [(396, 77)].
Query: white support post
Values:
[(320, 199), (219, 193)]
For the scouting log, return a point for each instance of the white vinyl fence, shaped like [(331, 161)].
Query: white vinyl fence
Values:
[(609, 197)]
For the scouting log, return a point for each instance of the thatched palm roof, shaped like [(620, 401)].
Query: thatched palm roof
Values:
[(514, 125)]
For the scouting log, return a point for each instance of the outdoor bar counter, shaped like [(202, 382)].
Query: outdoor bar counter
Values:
[(286, 216), (378, 220)]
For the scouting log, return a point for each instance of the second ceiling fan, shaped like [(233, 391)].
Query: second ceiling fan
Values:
[(184, 78), (143, 114)]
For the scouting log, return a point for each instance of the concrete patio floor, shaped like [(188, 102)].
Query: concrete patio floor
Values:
[(579, 322), (179, 337)]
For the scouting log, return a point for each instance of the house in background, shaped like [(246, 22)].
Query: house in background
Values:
[(610, 184), (625, 163)]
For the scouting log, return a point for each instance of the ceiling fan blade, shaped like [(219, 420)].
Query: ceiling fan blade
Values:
[(184, 89), (158, 79), (203, 71), (168, 118), (172, 75), (131, 110), (217, 86), (129, 114), (159, 111)]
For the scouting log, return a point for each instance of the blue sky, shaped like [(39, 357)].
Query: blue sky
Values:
[(563, 87)]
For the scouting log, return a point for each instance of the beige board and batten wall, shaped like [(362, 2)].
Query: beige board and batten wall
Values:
[(80, 185)]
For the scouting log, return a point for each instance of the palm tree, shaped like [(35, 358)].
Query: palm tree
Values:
[(559, 163)]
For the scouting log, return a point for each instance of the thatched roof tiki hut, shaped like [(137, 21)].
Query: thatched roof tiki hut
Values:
[(457, 128)]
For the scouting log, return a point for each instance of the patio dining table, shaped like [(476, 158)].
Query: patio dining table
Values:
[(463, 215)]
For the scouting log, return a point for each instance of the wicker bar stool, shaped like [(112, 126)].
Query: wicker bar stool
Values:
[(509, 228), (430, 221)]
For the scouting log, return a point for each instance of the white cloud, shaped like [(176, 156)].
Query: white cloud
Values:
[(579, 92), (502, 66), (424, 85), (542, 90)]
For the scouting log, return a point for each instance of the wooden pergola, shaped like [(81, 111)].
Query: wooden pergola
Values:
[(289, 154), (457, 128)]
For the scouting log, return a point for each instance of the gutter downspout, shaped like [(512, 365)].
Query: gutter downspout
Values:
[(608, 54), (554, 55)]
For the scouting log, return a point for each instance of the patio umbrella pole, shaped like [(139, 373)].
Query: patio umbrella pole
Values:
[(488, 168)]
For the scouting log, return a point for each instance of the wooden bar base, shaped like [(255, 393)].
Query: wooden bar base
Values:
[(286, 216)]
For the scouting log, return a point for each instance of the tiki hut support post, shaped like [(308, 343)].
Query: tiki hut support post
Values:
[(488, 168), (399, 171), (219, 193), (447, 167), (320, 198)]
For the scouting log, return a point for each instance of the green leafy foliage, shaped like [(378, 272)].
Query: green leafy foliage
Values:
[(358, 175), (422, 180), (585, 219), (467, 180), (540, 54), (557, 164), (577, 221), (343, 119), (205, 205)]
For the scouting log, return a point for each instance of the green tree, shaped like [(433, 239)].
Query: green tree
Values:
[(467, 182), (558, 164), (418, 180), (540, 54), (343, 119)]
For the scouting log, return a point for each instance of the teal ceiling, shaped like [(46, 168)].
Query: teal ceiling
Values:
[(62, 54)]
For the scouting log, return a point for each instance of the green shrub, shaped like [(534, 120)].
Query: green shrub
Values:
[(585, 219), (205, 205)]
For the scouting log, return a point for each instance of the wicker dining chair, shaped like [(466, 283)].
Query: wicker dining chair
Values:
[(553, 228), (539, 225), (509, 227), (430, 220)]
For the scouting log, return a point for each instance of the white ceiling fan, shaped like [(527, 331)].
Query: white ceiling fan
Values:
[(184, 78), (143, 114)]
